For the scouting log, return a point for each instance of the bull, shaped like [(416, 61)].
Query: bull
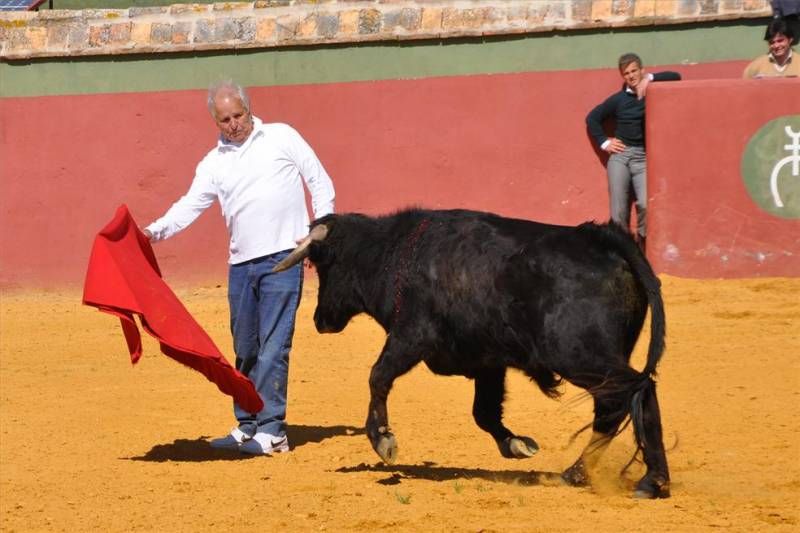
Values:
[(473, 293)]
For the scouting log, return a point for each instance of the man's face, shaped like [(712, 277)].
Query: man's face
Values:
[(779, 46), (235, 123), (632, 73)]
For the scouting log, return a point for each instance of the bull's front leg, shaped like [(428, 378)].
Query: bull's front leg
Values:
[(393, 363), (487, 409)]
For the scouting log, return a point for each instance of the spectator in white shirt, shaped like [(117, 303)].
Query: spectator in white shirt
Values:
[(256, 171)]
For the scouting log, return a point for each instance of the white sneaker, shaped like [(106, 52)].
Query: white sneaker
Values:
[(265, 444), (232, 441)]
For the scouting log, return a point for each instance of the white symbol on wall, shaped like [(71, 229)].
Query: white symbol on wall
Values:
[(794, 159)]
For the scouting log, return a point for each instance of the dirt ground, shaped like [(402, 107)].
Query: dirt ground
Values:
[(88, 442)]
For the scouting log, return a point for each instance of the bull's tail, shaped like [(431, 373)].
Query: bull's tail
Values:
[(645, 387), (642, 387)]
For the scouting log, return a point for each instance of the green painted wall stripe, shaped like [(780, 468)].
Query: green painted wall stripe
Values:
[(574, 50)]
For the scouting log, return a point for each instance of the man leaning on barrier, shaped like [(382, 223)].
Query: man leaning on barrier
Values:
[(627, 165)]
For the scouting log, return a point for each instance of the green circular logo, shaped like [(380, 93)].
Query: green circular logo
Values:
[(771, 167)]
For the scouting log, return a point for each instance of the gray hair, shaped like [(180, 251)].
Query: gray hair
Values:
[(227, 86)]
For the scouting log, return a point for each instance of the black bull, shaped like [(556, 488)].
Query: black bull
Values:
[(474, 293)]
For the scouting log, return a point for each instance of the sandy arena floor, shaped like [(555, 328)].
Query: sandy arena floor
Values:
[(88, 442)]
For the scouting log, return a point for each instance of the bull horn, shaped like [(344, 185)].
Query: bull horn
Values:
[(318, 233)]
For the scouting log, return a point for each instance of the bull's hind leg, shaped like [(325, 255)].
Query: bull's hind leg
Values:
[(647, 424), (487, 410), (393, 363), (611, 409), (609, 412)]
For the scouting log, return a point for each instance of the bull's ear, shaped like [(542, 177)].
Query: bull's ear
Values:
[(320, 253)]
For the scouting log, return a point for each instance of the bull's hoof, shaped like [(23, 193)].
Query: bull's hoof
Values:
[(518, 447), (386, 447), (576, 475), (650, 489)]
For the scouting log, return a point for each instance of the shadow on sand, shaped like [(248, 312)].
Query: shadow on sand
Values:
[(300, 435), (431, 472), (191, 450)]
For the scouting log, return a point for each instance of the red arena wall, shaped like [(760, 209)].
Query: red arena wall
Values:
[(712, 148), (515, 144)]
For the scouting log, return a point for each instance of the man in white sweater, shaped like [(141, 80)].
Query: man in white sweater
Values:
[(256, 171)]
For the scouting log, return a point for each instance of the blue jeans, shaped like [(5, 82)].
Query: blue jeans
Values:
[(263, 306)]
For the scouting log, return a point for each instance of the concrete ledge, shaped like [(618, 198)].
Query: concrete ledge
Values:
[(271, 23)]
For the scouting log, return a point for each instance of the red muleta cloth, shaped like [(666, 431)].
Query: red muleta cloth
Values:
[(123, 279)]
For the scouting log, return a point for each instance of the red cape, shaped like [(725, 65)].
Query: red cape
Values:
[(123, 279)]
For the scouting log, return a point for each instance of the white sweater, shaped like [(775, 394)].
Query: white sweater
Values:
[(259, 187)]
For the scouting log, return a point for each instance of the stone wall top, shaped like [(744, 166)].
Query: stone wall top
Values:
[(271, 23)]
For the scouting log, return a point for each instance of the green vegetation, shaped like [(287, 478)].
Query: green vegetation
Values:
[(405, 499)]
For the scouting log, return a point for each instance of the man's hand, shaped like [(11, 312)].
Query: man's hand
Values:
[(641, 87), (615, 146)]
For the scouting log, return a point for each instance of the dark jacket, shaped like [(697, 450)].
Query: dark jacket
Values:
[(628, 112)]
